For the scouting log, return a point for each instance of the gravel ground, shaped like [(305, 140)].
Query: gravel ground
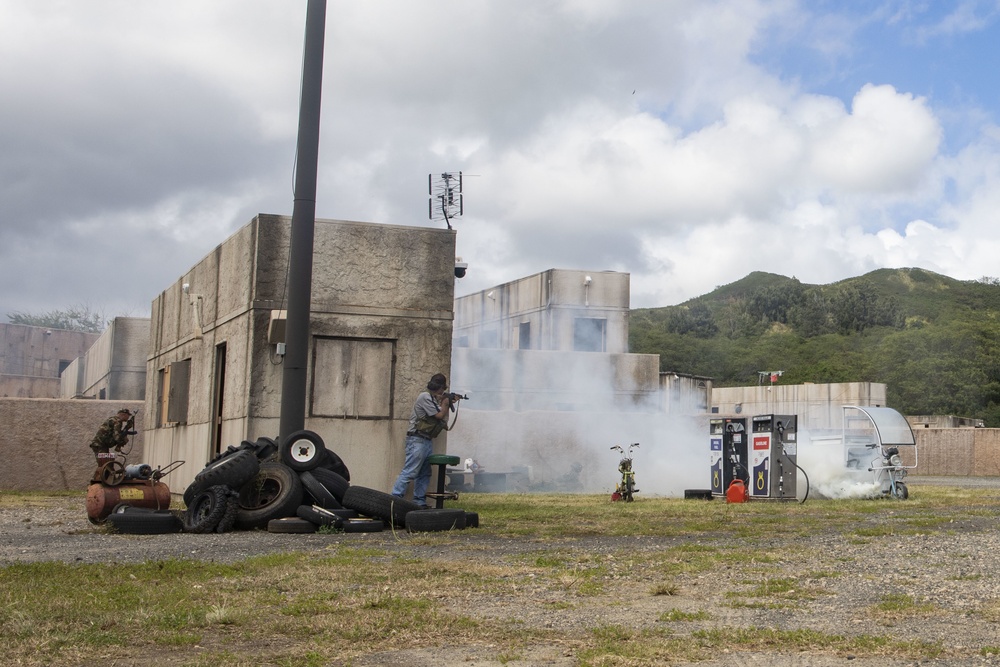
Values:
[(954, 572)]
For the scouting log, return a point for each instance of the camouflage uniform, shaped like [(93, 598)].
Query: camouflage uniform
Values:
[(110, 434)]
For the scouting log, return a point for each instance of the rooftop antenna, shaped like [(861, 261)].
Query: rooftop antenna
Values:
[(445, 200)]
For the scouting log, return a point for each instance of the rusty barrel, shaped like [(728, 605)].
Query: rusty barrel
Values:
[(102, 498)]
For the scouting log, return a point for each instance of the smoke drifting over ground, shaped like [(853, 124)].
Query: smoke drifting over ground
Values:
[(822, 459), (558, 414)]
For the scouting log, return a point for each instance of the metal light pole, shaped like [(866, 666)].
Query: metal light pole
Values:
[(293, 380)]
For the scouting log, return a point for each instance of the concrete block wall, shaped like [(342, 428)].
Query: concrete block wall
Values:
[(46, 443)]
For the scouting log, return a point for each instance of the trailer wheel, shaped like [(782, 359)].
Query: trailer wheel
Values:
[(206, 510), (273, 494), (302, 450)]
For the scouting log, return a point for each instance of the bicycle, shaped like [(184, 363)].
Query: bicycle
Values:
[(626, 487)]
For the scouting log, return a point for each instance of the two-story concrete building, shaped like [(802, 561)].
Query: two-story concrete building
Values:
[(380, 326)]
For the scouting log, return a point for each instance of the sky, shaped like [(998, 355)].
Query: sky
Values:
[(686, 142)]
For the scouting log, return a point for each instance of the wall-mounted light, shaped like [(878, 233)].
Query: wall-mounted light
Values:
[(489, 295), (195, 300)]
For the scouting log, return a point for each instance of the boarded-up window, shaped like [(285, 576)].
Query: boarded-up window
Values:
[(352, 378), (178, 380)]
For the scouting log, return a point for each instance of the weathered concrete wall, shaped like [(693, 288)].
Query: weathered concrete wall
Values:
[(114, 368), (385, 288), (37, 352), (973, 452), (548, 303), (46, 443)]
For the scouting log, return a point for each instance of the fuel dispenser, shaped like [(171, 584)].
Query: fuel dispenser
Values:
[(773, 454), (727, 453)]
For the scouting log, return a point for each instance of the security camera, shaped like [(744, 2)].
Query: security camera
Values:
[(186, 287), (588, 280), (460, 267)]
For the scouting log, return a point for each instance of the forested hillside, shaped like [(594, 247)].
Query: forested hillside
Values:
[(934, 341)]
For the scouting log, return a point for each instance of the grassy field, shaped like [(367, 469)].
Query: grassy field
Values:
[(337, 604)]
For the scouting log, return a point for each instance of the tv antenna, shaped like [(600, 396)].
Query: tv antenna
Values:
[(445, 200)]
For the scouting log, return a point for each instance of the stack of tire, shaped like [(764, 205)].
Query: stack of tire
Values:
[(296, 487)]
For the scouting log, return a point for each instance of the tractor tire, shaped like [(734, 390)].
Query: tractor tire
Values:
[(302, 450), (233, 469), (334, 483), (427, 521), (266, 448), (228, 520), (274, 493), (206, 510)]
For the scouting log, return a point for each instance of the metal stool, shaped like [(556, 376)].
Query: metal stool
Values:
[(442, 461)]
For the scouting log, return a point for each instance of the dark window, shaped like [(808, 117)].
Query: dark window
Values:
[(588, 334), (524, 336)]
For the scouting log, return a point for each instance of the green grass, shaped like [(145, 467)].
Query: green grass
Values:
[(343, 600)]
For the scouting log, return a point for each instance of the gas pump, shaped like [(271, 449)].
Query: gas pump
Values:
[(727, 453), (773, 454)]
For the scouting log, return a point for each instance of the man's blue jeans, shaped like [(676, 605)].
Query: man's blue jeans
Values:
[(415, 468)]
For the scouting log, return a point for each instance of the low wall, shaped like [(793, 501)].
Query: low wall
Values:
[(962, 452), (46, 441)]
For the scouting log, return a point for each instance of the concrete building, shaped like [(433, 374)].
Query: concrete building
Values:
[(551, 382), (380, 326), (558, 309), (114, 368), (32, 358), (818, 406)]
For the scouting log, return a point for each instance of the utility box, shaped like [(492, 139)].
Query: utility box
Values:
[(773, 457), (728, 454)]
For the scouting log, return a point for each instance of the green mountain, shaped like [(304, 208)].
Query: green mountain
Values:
[(934, 341)]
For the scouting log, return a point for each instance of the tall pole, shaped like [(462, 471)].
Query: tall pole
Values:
[(300, 255)]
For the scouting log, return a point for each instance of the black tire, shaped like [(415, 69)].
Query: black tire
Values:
[(228, 520), (472, 519), (151, 522), (902, 493), (334, 463), (318, 491), (233, 469), (427, 521), (206, 510), (319, 517), (363, 526), (274, 493), (290, 524), (302, 450), (335, 483), (266, 448), (379, 505)]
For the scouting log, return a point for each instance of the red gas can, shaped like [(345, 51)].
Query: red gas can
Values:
[(737, 492)]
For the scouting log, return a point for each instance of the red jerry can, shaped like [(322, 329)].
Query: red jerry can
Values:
[(737, 492)]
